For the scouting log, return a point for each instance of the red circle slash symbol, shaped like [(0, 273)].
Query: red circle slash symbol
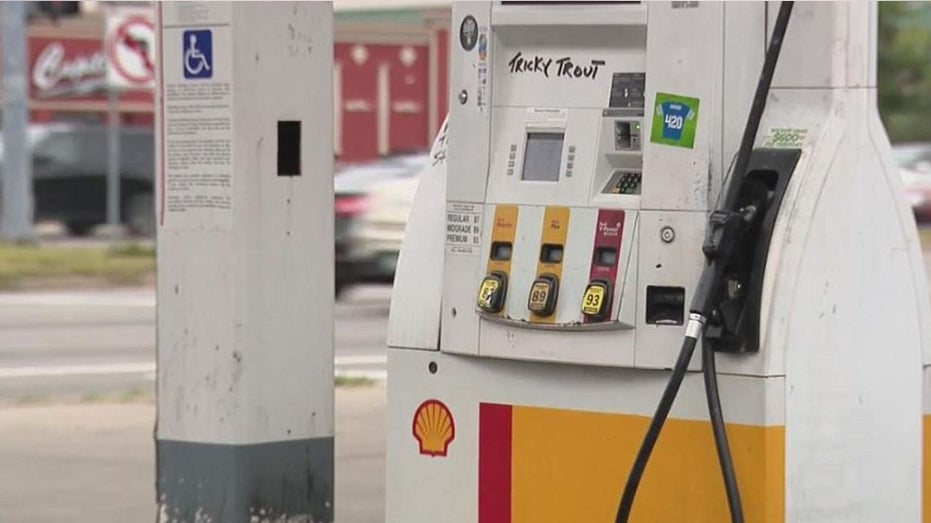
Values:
[(137, 45)]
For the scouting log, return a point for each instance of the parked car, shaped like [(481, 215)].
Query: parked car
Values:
[(380, 229), (69, 171), (355, 263), (914, 160)]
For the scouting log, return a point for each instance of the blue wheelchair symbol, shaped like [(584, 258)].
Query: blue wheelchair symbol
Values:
[(198, 54)]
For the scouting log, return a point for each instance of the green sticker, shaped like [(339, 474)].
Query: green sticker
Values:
[(785, 138), (674, 120)]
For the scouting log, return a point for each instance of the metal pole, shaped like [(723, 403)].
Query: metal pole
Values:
[(113, 164), (16, 175)]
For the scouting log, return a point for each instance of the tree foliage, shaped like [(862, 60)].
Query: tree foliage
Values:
[(904, 70)]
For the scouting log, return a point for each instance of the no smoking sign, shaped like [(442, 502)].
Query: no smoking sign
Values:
[(130, 51)]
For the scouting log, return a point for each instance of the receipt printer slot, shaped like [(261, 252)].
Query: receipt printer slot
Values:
[(665, 305)]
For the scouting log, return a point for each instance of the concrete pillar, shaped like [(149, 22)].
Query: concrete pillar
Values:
[(245, 262)]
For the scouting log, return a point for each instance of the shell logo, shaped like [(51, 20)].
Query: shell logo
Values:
[(434, 428)]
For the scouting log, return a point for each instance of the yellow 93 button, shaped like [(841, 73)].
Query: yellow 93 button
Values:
[(491, 292), (595, 300)]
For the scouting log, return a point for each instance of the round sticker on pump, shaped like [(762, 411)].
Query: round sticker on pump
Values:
[(468, 33)]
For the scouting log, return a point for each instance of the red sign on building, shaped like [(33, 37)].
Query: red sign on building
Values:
[(63, 67), (67, 79)]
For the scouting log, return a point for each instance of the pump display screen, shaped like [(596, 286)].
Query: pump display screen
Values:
[(550, 253), (543, 157), (501, 251), (606, 257)]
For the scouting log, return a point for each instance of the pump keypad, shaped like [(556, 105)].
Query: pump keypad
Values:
[(624, 182)]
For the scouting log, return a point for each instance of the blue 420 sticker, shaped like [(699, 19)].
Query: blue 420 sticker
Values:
[(674, 120)]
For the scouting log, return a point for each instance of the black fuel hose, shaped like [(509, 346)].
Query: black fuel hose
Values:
[(709, 371), (659, 418), (702, 305), (759, 98), (720, 434)]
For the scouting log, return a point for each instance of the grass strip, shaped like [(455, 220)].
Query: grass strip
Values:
[(21, 264)]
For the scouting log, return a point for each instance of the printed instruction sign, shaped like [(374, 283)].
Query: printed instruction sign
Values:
[(463, 228), (555, 117), (197, 116), (675, 119)]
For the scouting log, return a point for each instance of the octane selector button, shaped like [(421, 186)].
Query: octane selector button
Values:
[(543, 294), (596, 299), (492, 291)]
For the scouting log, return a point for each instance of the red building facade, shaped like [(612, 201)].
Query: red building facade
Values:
[(390, 81), (390, 88)]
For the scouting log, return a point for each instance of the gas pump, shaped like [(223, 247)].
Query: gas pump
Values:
[(599, 157)]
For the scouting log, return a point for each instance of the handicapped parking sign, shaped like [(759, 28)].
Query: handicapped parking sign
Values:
[(674, 120), (198, 54)]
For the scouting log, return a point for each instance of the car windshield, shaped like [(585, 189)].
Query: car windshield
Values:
[(911, 155), (34, 133), (357, 178), (413, 160)]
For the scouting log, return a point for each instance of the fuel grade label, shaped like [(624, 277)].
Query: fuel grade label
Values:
[(463, 228)]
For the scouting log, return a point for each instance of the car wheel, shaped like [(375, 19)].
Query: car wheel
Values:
[(140, 214), (79, 228)]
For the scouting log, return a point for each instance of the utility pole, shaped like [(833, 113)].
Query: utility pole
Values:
[(113, 163), (16, 176)]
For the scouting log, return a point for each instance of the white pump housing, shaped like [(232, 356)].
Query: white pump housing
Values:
[(560, 176)]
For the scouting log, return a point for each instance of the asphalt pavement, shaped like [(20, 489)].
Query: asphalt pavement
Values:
[(73, 448), (94, 462), (99, 343)]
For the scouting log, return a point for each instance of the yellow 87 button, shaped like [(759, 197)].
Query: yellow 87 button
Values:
[(491, 292)]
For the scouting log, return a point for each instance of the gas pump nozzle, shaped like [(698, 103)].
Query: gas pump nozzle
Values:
[(726, 229)]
